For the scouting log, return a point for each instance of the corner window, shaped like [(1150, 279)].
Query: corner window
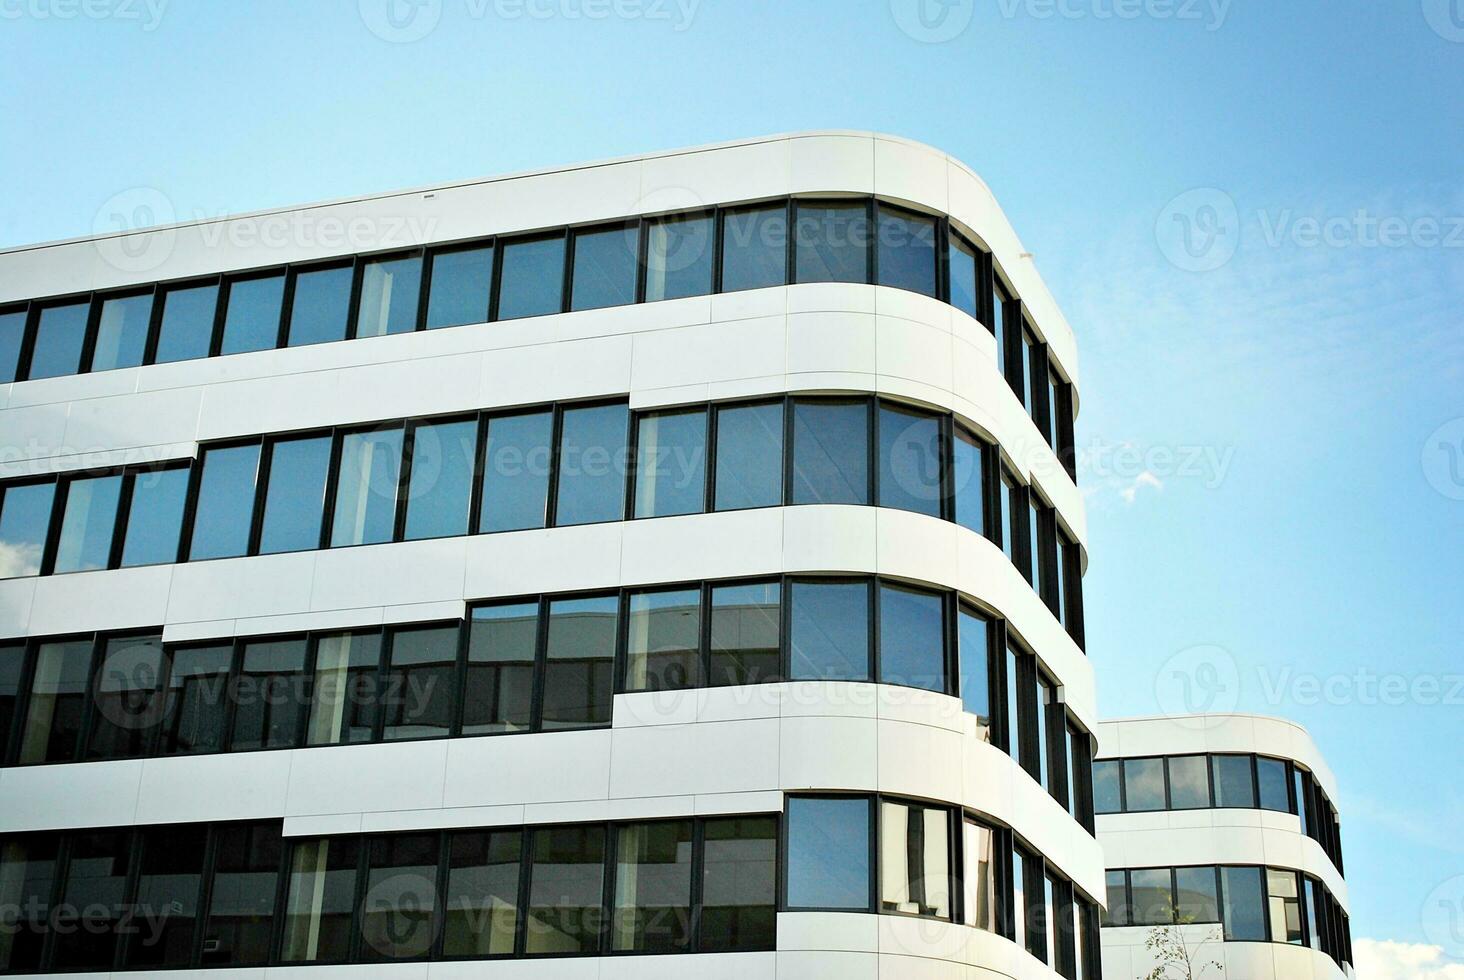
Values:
[(499, 687), (829, 634), (579, 672), (225, 506), (911, 460), (980, 877), (652, 910), (440, 483), (915, 860), (252, 313), (912, 638), (1283, 901), (1037, 536), (973, 635), (830, 452), (1014, 721), (390, 289), (482, 911), (320, 309), (1243, 909), (1014, 524), (591, 465), (25, 520), (186, 327), (366, 487), (604, 267), (531, 281), (828, 853), (60, 336), (663, 643), (754, 247), (516, 461), (566, 884), (964, 275), (906, 257), (679, 257), (749, 456), (122, 327), (831, 242), (745, 633), (462, 281), (999, 300), (87, 524), (671, 460), (295, 494), (155, 516)]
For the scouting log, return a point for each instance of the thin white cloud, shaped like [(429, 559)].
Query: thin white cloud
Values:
[(1144, 479), (1385, 959)]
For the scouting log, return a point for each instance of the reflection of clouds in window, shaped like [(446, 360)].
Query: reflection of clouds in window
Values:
[(18, 560)]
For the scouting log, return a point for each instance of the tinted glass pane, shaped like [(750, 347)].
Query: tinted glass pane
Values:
[(122, 332), (155, 516), (739, 884), (482, 893), (252, 320), (1143, 782), (225, 507), (532, 278), (390, 289), (60, 335), (1195, 896), (663, 641), (749, 456), (321, 900), (968, 481), (755, 248), (343, 691), (1106, 776), (195, 707), (566, 904), (27, 877), (980, 876), (1271, 774), (270, 695), (679, 258), (671, 463), (830, 452), (652, 911), (745, 633), (321, 308), (241, 905), (1152, 897), (12, 666), (57, 700), (915, 860), (12, 334), (461, 282), (499, 694), (187, 324), (911, 638), (295, 498), (910, 461), (604, 267), (1046, 698), (831, 243), (828, 853), (399, 913), (1301, 783), (578, 678), (906, 250), (441, 483), (1118, 905), (592, 458), (1013, 721), (127, 698), (366, 488), (25, 519), (1060, 581), (974, 638), (1244, 909), (1021, 911), (1039, 546), (421, 680), (168, 887), (963, 273), (1189, 783), (1233, 786), (1013, 524), (516, 472), (88, 523), (830, 631), (96, 881)]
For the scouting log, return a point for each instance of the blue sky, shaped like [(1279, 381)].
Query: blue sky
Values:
[(1265, 476)]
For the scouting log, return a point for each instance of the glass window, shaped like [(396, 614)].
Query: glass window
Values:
[(910, 460), (566, 884), (1021, 910), (755, 247), (1314, 931), (1015, 724), (187, 324), (1039, 545), (1119, 912), (1244, 904), (745, 634), (225, 506), (321, 900), (749, 456), (1034, 371), (343, 692), (652, 912), (679, 257), (1013, 527), (366, 487), (1284, 903), (1233, 780), (739, 884), (420, 682), (999, 299), (579, 672), (1196, 895), (321, 308), (1106, 798), (604, 267), (1143, 784), (499, 693), (968, 481), (1060, 582), (1046, 756), (12, 666), (830, 631), (830, 452), (96, 882), (270, 695), (252, 317), (399, 912), (592, 457), (59, 338), (964, 276), (831, 242), (482, 908), (915, 860), (1054, 407), (671, 463), (155, 516), (57, 702), (122, 327), (980, 876), (906, 250), (1271, 775), (828, 853), (462, 280), (1075, 751), (27, 879), (25, 520), (88, 523), (1302, 781), (1048, 911), (390, 290), (1153, 896), (195, 706), (1189, 783), (12, 337), (973, 635), (516, 472), (440, 487), (241, 906), (532, 279), (663, 642), (168, 885), (911, 638), (294, 499), (126, 697)]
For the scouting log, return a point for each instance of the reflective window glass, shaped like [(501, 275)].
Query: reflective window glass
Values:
[(499, 692), (1152, 896), (122, 326), (679, 253), (155, 516), (604, 267), (60, 336), (126, 697), (419, 687), (754, 247), (25, 520), (963, 275), (1118, 913), (579, 672), (95, 882), (399, 916), (749, 456), (828, 853), (482, 911), (195, 704), (830, 452), (225, 506), (12, 337), (390, 290), (516, 471), (88, 523), (911, 638), (366, 487), (57, 703), (671, 462), (1244, 904), (566, 886), (652, 909), (968, 481), (1196, 895), (270, 695), (829, 634), (745, 637), (739, 884), (186, 328), (252, 314), (1189, 782), (831, 242), (980, 876), (1271, 775), (1143, 784), (915, 860), (663, 641), (27, 878), (241, 906), (973, 636), (592, 459), (321, 901), (906, 250), (532, 279), (169, 883), (321, 308), (343, 690), (1106, 775), (1233, 775), (440, 487), (462, 280), (295, 496), (911, 464)]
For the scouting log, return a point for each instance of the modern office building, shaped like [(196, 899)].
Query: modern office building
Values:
[(1224, 824), (654, 568)]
